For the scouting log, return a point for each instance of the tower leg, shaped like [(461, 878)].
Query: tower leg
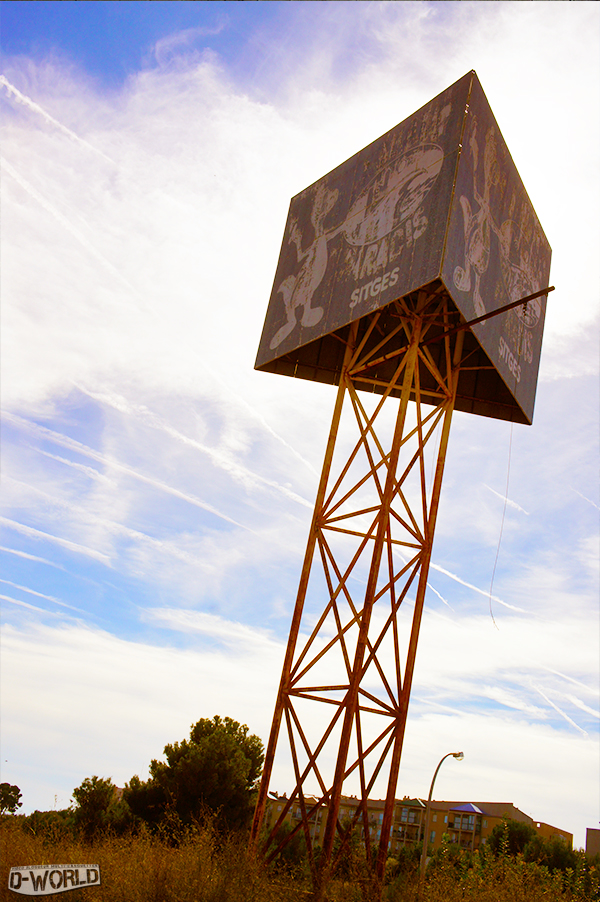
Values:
[(300, 598), (343, 698)]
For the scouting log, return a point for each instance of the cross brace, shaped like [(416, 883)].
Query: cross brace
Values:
[(343, 698)]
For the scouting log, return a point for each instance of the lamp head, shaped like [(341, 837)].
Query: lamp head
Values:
[(459, 755)]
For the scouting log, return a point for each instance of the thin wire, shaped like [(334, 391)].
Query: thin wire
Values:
[(501, 524)]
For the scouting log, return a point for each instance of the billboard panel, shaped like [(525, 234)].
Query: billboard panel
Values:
[(370, 231), (497, 253), (436, 203)]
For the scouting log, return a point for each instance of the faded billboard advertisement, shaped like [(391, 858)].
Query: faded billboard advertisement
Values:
[(370, 231), (436, 200), (497, 253)]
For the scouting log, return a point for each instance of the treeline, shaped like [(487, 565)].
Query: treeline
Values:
[(214, 773), (515, 849), (205, 864), (182, 835)]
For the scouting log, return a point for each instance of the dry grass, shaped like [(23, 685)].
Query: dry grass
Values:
[(503, 879), (146, 868), (204, 867)]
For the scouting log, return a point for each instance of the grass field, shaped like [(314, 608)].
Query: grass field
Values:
[(205, 867)]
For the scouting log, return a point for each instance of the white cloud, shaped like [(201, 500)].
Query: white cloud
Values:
[(36, 108), (130, 698), (38, 534), (107, 706), (173, 46)]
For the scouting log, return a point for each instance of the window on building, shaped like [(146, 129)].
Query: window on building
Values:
[(432, 836), (445, 818), (434, 818), (404, 815)]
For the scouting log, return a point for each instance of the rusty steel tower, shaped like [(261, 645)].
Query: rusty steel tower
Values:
[(417, 272)]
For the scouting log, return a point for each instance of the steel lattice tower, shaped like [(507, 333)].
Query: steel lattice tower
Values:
[(457, 328)]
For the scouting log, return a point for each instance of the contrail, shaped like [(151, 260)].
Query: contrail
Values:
[(579, 704), (568, 678), (589, 500), (507, 501), (230, 631), (463, 582), (441, 597), (88, 471), (113, 529), (38, 534), (41, 595), (404, 560), (31, 557), (67, 224), (142, 537), (30, 607), (234, 468), (36, 108), (74, 445), (429, 586), (562, 713), (258, 416)]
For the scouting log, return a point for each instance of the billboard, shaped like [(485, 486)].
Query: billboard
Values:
[(436, 200), (497, 253)]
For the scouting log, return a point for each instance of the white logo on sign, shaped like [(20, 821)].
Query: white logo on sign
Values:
[(47, 879)]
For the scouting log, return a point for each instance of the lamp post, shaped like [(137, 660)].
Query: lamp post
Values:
[(459, 756)]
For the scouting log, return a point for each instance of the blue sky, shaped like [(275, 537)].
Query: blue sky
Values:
[(156, 491), (112, 41)]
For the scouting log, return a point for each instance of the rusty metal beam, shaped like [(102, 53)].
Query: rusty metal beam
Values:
[(373, 507)]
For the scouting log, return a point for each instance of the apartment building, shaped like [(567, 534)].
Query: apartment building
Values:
[(592, 842), (467, 824)]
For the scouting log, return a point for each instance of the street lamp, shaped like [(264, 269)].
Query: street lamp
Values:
[(459, 756)]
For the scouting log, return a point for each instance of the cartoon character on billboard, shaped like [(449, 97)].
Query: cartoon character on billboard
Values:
[(479, 225), (395, 193), (519, 272), (297, 291)]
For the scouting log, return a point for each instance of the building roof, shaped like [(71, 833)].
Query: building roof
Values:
[(469, 807), (489, 809)]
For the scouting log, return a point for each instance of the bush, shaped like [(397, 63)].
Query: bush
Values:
[(10, 798), (511, 837), (48, 825), (99, 808), (217, 770)]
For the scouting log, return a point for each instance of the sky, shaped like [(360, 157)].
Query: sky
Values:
[(157, 491)]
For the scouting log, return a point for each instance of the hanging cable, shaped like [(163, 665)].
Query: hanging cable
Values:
[(501, 524)]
